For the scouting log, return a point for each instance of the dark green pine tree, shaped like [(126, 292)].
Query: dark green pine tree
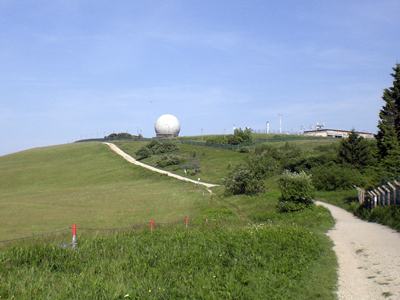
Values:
[(395, 94), (389, 124), (355, 151)]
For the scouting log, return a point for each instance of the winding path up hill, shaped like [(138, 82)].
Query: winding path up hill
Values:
[(130, 159)]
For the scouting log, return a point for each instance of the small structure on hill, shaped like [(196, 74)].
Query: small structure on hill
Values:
[(336, 133), (167, 126)]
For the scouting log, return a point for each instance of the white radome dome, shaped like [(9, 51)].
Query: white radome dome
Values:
[(167, 126)]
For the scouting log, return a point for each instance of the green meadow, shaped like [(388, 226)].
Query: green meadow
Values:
[(235, 247), (51, 188)]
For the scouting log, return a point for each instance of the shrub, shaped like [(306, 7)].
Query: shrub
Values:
[(168, 160), (242, 181), (285, 155), (307, 163), (297, 191), (244, 150), (289, 206), (262, 165), (296, 187), (239, 137), (122, 136), (143, 153), (156, 147), (268, 150), (192, 167), (330, 177)]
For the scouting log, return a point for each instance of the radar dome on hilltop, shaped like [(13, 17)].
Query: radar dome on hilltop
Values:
[(167, 126)]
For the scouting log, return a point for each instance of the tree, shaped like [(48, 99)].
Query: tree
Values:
[(355, 151), (241, 136), (388, 135)]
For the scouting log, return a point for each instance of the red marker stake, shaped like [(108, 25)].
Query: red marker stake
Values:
[(74, 237), (186, 221), (152, 225)]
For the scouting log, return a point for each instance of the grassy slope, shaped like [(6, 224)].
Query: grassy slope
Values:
[(287, 257), (214, 162), (45, 189)]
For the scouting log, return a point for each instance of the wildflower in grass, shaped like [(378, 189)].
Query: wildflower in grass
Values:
[(126, 296)]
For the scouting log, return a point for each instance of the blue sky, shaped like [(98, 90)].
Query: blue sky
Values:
[(77, 69)]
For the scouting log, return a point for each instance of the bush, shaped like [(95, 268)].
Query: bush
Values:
[(143, 153), (242, 181), (308, 163), (239, 137), (122, 136), (168, 160), (286, 155), (192, 167), (288, 206), (263, 165), (296, 187), (268, 150), (244, 150), (297, 191), (156, 147), (332, 177)]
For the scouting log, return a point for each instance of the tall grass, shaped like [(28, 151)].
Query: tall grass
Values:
[(255, 262)]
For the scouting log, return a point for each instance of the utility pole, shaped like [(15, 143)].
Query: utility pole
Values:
[(280, 123), (267, 127)]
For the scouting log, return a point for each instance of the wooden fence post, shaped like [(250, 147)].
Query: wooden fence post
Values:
[(376, 198), (361, 195), (388, 196), (393, 188), (397, 191)]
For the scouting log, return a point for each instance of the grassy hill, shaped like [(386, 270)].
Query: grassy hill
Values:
[(214, 162), (236, 247), (49, 188)]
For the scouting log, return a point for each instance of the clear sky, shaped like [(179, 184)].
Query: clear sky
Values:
[(76, 69)]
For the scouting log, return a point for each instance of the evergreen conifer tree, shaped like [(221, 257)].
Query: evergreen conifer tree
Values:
[(355, 151), (389, 124)]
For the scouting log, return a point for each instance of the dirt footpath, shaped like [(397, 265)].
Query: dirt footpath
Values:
[(368, 256), (130, 159)]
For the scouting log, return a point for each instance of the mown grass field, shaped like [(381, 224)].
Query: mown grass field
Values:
[(50, 188), (236, 247)]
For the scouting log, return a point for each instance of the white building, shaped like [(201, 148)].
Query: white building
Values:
[(336, 133)]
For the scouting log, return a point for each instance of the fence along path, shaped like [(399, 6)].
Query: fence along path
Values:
[(131, 160), (384, 195)]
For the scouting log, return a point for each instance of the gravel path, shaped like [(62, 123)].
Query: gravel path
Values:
[(368, 256), (130, 159)]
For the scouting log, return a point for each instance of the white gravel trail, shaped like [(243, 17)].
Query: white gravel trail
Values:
[(368, 256), (130, 159)]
